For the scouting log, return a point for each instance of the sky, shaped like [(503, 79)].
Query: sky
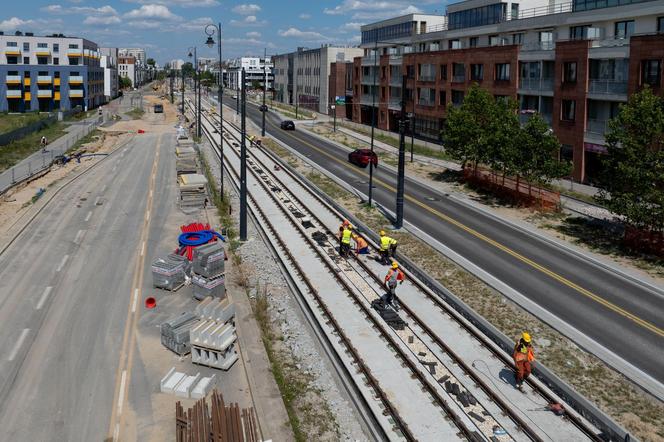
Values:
[(167, 28)]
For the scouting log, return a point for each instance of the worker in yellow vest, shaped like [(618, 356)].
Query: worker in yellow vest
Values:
[(524, 358), (345, 235), (385, 244)]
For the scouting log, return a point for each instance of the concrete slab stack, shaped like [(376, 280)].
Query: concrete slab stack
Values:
[(214, 336), (183, 385), (204, 287), (209, 260), (175, 333), (169, 273), (193, 191)]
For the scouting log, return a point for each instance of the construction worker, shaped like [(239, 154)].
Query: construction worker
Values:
[(345, 235), (43, 142), (393, 247), (524, 358), (361, 246), (344, 224), (385, 244), (394, 276)]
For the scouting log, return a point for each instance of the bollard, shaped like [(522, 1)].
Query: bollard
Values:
[(13, 180)]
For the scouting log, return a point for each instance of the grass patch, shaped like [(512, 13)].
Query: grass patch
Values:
[(18, 150), (638, 412), (89, 138), (289, 110), (135, 114), (10, 122)]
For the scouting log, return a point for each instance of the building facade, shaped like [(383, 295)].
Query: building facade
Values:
[(109, 62), (573, 63), (302, 77), (257, 72), (137, 53), (128, 68), (48, 73)]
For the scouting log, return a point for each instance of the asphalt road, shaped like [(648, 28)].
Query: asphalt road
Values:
[(65, 288), (625, 317)]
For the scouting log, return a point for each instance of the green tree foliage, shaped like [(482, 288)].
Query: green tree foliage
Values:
[(633, 178), (150, 62), (537, 153), (125, 83), (188, 69)]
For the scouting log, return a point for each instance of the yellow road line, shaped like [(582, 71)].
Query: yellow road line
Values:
[(651, 327)]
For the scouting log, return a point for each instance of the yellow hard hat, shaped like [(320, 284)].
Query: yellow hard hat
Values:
[(395, 265), (526, 336), (382, 233)]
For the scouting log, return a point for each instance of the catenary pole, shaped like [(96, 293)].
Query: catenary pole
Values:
[(243, 164)]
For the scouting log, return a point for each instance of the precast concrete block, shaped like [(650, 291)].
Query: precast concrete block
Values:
[(202, 306), (213, 358), (203, 387), (183, 388), (171, 380)]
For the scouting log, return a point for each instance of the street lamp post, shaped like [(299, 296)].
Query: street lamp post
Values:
[(197, 90), (209, 30), (373, 120), (402, 157), (334, 113), (182, 71), (264, 107)]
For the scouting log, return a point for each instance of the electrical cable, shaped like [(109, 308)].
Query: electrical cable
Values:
[(195, 239)]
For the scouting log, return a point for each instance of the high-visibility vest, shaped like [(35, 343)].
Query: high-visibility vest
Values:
[(393, 276), (385, 242), (523, 352), (346, 235)]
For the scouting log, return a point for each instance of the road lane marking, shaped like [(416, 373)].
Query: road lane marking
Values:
[(19, 343), (89, 215), (151, 194), (143, 248), (103, 189), (147, 217), (116, 432), (587, 293), (123, 381), (79, 236), (135, 302), (62, 263), (44, 295)]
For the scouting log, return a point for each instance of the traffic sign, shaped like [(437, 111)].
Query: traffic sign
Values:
[(340, 101)]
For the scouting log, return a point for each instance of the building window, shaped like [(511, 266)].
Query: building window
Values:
[(410, 71), (473, 42), (443, 98), (477, 72), (578, 32), (660, 24), (73, 61), (624, 29), (515, 11), (73, 46), (457, 98), (443, 72), (454, 44), (427, 97), (12, 60), (517, 39), (26, 46), (493, 40), (458, 72), (56, 60), (485, 15), (12, 44), (651, 72), (26, 60), (56, 47), (566, 152), (42, 45), (42, 60), (569, 72), (502, 72), (568, 110), (427, 72)]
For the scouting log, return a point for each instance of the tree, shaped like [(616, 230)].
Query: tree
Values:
[(632, 182), (537, 151), (255, 84), (151, 62), (125, 83), (467, 129), (188, 69)]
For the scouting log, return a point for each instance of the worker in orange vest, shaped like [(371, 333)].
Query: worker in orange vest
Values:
[(524, 358), (361, 246), (394, 276)]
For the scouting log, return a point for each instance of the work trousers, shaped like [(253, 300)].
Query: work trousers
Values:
[(344, 249), (391, 296), (523, 369), (393, 250), (384, 256)]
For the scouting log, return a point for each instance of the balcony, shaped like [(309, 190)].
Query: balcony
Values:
[(427, 78), (369, 81), (599, 127), (368, 99), (75, 79), (609, 42), (424, 102), (14, 93), (12, 51), (396, 81), (13, 79), (396, 59), (44, 93), (44, 79), (74, 53), (607, 87), (458, 79), (369, 60), (76, 93), (539, 46), (536, 84), (43, 52)]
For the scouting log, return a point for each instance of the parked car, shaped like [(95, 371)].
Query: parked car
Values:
[(158, 108), (362, 157), (287, 125)]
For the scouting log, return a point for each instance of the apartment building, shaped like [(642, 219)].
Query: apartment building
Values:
[(48, 73), (574, 63), (257, 71), (128, 68), (137, 53), (109, 62), (303, 76)]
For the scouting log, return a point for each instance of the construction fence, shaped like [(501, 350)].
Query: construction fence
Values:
[(517, 189), (648, 241)]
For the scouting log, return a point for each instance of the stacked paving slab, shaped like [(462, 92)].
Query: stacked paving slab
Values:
[(209, 271), (169, 273), (191, 184)]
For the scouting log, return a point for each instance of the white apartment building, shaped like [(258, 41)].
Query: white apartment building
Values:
[(137, 53), (109, 61), (257, 72)]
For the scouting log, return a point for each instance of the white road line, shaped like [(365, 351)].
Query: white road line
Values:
[(103, 189), (19, 343), (42, 300), (147, 218), (123, 380), (62, 263), (87, 218), (114, 169), (143, 248), (116, 432), (135, 303), (151, 192), (79, 236), (97, 201)]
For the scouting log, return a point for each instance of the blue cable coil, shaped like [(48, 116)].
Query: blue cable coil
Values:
[(196, 239)]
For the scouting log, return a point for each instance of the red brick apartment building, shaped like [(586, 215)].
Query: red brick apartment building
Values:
[(573, 62)]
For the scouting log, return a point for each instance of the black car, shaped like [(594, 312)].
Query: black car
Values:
[(287, 125)]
